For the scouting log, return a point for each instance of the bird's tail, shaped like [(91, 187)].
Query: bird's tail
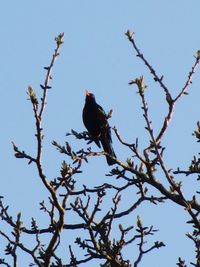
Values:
[(107, 146)]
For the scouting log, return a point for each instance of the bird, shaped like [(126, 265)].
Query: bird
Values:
[(95, 121)]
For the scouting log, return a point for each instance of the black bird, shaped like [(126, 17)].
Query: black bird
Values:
[(95, 120)]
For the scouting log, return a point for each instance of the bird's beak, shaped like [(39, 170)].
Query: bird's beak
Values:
[(87, 92)]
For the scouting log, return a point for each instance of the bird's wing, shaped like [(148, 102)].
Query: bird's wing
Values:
[(90, 115), (103, 122)]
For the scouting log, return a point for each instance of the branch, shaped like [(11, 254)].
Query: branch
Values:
[(59, 41), (38, 113), (189, 79), (171, 102), (158, 79)]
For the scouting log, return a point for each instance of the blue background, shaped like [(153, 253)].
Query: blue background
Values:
[(97, 55)]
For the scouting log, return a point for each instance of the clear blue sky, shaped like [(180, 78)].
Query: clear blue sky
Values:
[(97, 55)]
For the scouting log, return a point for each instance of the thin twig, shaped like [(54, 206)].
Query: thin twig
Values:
[(45, 87), (158, 79)]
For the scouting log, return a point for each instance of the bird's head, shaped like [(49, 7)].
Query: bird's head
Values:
[(89, 96)]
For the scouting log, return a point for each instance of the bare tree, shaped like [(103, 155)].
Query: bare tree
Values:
[(95, 220)]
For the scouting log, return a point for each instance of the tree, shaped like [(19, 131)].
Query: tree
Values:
[(96, 211)]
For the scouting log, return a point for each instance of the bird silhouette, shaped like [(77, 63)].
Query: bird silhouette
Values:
[(95, 120)]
